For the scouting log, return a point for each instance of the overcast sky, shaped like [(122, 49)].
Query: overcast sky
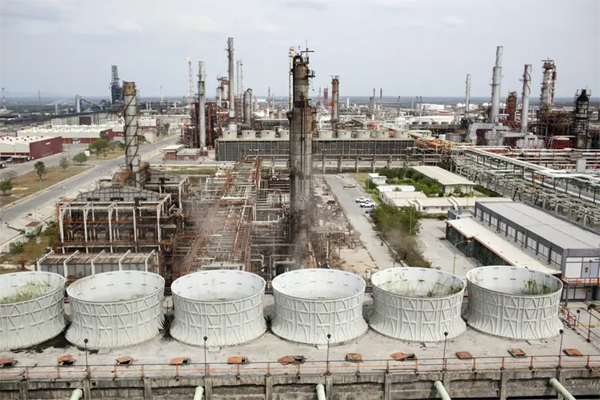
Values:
[(406, 47)]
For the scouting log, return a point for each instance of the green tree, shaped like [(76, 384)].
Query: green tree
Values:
[(40, 169), (98, 146), (112, 146), (64, 163), (80, 158), (5, 186)]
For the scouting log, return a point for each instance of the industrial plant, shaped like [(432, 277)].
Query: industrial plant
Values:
[(234, 263)]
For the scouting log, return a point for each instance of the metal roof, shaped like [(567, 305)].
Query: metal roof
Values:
[(561, 233), (442, 176)]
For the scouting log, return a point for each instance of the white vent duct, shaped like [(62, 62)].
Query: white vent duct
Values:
[(225, 306), (116, 309), (312, 303), (513, 302), (31, 308), (417, 304)]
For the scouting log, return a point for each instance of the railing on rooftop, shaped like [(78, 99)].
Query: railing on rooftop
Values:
[(479, 364)]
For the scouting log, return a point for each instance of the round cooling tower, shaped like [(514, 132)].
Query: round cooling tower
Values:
[(226, 306), (116, 309), (312, 303), (513, 302), (31, 308), (417, 304)]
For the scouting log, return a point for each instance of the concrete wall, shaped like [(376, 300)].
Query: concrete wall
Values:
[(368, 386)]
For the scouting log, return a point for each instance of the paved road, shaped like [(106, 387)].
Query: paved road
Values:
[(357, 217), (42, 206)]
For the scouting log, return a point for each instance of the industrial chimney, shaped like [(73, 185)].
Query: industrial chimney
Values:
[(335, 99), (231, 78), (467, 95), (525, 98), (497, 77), (248, 106), (201, 104), (301, 132), (132, 160)]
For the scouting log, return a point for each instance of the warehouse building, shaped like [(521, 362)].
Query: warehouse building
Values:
[(75, 133), (23, 149), (519, 234), (449, 182)]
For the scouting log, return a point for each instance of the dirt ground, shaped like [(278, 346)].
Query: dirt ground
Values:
[(31, 252), (109, 155), (27, 183), (360, 177)]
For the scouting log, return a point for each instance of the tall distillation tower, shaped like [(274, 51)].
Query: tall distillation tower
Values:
[(301, 132)]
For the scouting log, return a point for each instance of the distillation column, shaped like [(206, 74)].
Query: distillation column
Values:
[(497, 77), (231, 78), (525, 98), (201, 104), (301, 132), (132, 160), (467, 95), (292, 54), (335, 99)]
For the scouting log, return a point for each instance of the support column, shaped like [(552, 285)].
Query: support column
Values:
[(339, 167), (329, 386), (389, 163), (387, 387), (23, 391), (147, 389), (356, 164), (268, 387), (323, 164), (373, 165), (208, 388), (87, 390), (503, 385)]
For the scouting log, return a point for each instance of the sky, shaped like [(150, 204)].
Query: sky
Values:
[(406, 47)]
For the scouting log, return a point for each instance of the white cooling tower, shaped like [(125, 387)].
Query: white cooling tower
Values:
[(116, 309), (226, 306), (417, 304), (312, 303), (513, 302), (31, 308)]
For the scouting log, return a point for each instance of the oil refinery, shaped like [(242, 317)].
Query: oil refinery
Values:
[(227, 254)]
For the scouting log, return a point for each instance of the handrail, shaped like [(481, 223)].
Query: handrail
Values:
[(545, 362)]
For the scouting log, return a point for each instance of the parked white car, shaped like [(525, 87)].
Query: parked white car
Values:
[(368, 204), (361, 200)]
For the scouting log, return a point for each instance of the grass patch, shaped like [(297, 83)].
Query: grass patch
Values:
[(360, 177), (108, 155), (28, 183), (27, 292)]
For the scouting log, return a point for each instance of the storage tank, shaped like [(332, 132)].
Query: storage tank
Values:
[(363, 134), (513, 302), (382, 135), (248, 134), (226, 306), (116, 309), (312, 303), (31, 308), (344, 135), (267, 134), (325, 134), (284, 134), (418, 304)]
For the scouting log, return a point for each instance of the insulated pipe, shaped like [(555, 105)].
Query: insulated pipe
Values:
[(561, 389), (439, 386), (497, 77), (77, 394), (321, 392), (199, 393), (525, 98)]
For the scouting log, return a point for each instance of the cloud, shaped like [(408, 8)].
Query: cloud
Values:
[(452, 20), (318, 5), (269, 28)]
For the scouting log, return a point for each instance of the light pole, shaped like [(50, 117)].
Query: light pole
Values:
[(328, 338), (560, 348), (445, 342), (205, 365), (589, 310), (87, 367), (454, 254)]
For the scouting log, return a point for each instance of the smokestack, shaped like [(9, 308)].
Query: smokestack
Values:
[(497, 77), (380, 99), (231, 78), (398, 109), (161, 95), (525, 98), (201, 103), (132, 160), (3, 100), (268, 102), (291, 54), (78, 103), (467, 95), (335, 98), (248, 106), (301, 132)]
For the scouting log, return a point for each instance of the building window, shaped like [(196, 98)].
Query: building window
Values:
[(511, 232), (486, 217), (493, 221), (502, 227), (543, 250), (555, 258), (531, 243)]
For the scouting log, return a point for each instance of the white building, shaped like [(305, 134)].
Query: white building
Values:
[(377, 179), (448, 180)]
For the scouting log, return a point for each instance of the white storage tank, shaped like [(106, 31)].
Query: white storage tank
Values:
[(248, 134), (513, 302), (225, 306), (31, 308), (363, 134), (344, 134), (116, 309), (325, 134), (382, 134), (284, 134), (417, 304), (312, 303), (267, 134)]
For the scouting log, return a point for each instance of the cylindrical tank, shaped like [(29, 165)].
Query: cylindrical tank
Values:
[(267, 134), (284, 134), (325, 134), (223, 305), (417, 304), (116, 309), (382, 135), (248, 134), (248, 106), (31, 308), (312, 303), (363, 134), (513, 302), (344, 134)]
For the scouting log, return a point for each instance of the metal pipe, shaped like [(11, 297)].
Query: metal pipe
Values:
[(525, 98), (76, 395), (439, 387), (321, 392), (199, 393), (201, 104), (231, 78), (496, 79), (561, 389)]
